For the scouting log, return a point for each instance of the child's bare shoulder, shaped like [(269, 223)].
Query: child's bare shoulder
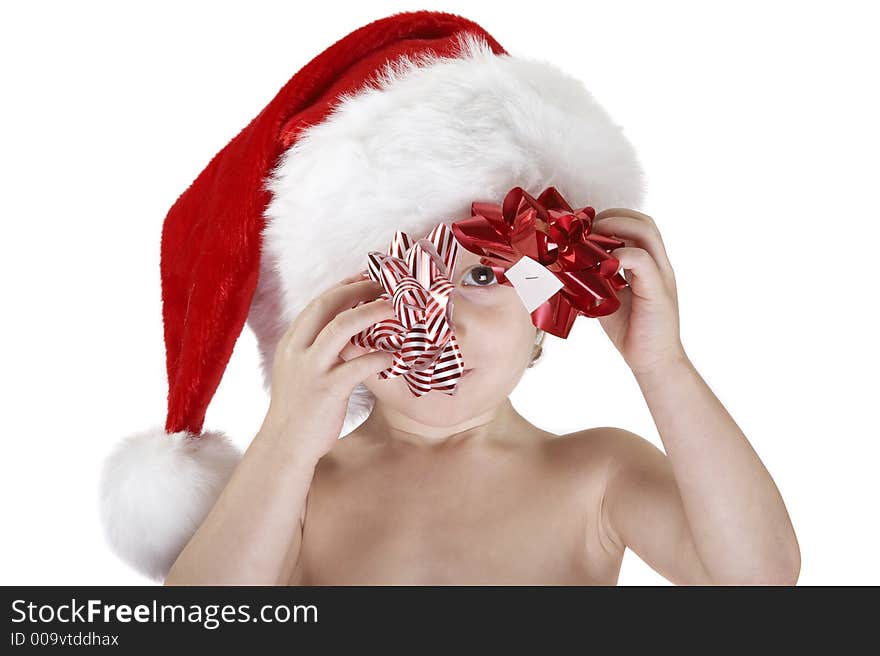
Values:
[(622, 459), (608, 445)]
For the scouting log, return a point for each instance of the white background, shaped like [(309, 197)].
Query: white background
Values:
[(757, 127)]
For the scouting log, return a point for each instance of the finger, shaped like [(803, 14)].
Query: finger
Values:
[(321, 309), (632, 214), (351, 351), (339, 330), (622, 211), (358, 369), (643, 275), (639, 233), (360, 275)]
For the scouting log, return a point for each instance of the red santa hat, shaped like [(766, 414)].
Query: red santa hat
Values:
[(401, 124)]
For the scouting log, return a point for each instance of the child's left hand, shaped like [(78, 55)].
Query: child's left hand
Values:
[(645, 329)]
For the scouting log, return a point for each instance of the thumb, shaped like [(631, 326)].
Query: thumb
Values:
[(642, 272)]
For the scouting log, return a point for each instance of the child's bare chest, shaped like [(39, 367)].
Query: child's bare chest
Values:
[(511, 518)]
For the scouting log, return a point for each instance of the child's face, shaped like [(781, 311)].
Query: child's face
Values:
[(496, 336)]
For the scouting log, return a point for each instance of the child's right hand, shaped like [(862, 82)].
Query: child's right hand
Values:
[(311, 381)]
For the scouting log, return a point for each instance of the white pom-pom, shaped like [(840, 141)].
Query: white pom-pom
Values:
[(156, 489)]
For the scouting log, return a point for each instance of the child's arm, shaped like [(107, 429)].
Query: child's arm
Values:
[(249, 534), (708, 511)]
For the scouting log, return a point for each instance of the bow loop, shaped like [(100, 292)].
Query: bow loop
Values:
[(557, 236), (416, 277)]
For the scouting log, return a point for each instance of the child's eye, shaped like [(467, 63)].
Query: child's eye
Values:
[(484, 276)]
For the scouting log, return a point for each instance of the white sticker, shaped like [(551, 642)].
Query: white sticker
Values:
[(533, 282)]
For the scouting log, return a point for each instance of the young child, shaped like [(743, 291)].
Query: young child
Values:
[(439, 488), (464, 490)]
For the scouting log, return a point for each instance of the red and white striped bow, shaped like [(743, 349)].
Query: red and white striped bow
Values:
[(417, 278)]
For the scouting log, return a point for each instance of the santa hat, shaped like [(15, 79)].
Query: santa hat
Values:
[(402, 124)]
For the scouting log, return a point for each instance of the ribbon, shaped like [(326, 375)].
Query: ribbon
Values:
[(417, 279), (558, 237)]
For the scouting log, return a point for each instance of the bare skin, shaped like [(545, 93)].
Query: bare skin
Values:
[(505, 503), (464, 490)]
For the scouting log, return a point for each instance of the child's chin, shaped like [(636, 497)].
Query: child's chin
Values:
[(396, 391)]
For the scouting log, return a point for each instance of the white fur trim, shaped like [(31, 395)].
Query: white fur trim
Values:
[(156, 489), (416, 148)]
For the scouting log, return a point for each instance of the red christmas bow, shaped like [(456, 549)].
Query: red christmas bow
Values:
[(416, 277), (558, 237)]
